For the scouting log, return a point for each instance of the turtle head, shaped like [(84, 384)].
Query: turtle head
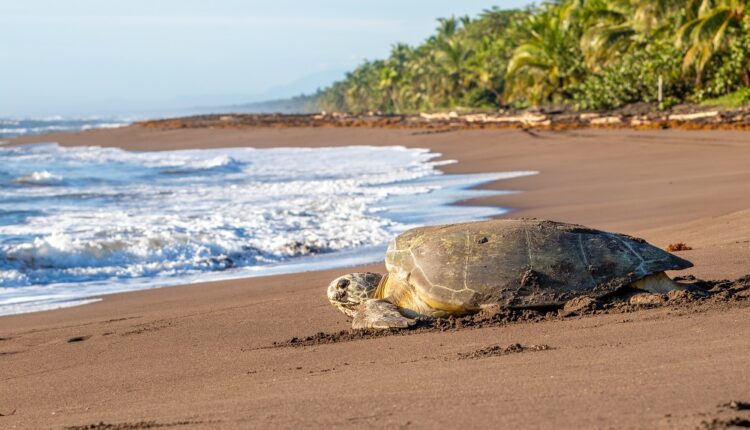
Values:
[(348, 291)]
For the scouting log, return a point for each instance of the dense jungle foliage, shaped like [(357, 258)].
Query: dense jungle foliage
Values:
[(589, 54)]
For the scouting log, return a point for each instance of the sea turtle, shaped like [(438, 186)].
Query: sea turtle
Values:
[(460, 269)]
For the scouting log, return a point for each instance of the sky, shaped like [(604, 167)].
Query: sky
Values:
[(87, 57)]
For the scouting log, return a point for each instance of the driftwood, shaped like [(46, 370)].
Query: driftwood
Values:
[(695, 118)]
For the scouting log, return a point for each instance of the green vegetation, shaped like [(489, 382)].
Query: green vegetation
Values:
[(732, 100), (588, 54)]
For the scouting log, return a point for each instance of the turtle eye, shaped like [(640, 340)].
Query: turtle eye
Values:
[(343, 284)]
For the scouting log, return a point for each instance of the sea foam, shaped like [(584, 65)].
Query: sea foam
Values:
[(38, 178), (76, 223), (14, 127)]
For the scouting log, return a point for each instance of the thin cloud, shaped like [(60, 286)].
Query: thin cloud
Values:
[(308, 23)]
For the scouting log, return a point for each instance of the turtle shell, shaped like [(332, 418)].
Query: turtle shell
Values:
[(520, 263)]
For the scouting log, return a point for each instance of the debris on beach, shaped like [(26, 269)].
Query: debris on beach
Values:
[(694, 118), (737, 405), (726, 417), (679, 246), (730, 415), (131, 426), (497, 350)]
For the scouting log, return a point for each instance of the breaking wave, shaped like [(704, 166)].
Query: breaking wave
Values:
[(15, 127), (81, 222), (38, 178)]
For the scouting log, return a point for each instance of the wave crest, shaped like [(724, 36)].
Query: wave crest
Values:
[(117, 221), (38, 178), (219, 164)]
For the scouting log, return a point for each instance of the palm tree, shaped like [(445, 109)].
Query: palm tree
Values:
[(447, 56), (488, 38), (655, 15), (609, 28), (333, 98), (452, 58), (547, 60), (613, 27), (394, 77), (710, 32), (447, 28), (363, 92), (553, 53)]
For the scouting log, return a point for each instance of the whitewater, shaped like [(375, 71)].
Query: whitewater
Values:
[(77, 223), (17, 127)]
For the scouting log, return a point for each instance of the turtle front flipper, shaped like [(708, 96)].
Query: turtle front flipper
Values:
[(379, 314)]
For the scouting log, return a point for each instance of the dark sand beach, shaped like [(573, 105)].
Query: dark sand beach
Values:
[(204, 355)]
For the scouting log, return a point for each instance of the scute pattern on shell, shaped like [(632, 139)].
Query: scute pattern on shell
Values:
[(520, 263)]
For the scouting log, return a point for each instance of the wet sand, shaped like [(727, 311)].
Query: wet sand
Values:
[(203, 356)]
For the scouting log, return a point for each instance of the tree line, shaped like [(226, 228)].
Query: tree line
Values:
[(589, 54)]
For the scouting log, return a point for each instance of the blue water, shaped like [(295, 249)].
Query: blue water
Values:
[(76, 223), (15, 127)]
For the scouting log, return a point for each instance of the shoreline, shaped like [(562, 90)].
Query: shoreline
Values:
[(439, 205), (551, 151), (632, 117), (134, 137), (201, 354)]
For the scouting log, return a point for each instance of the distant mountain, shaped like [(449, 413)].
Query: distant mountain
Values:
[(299, 104), (306, 85), (298, 96)]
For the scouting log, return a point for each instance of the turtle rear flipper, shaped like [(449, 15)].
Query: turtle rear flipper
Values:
[(379, 314), (660, 283)]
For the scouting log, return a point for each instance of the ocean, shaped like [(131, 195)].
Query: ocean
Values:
[(16, 127), (78, 223)]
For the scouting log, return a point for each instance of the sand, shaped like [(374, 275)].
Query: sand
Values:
[(203, 356)]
